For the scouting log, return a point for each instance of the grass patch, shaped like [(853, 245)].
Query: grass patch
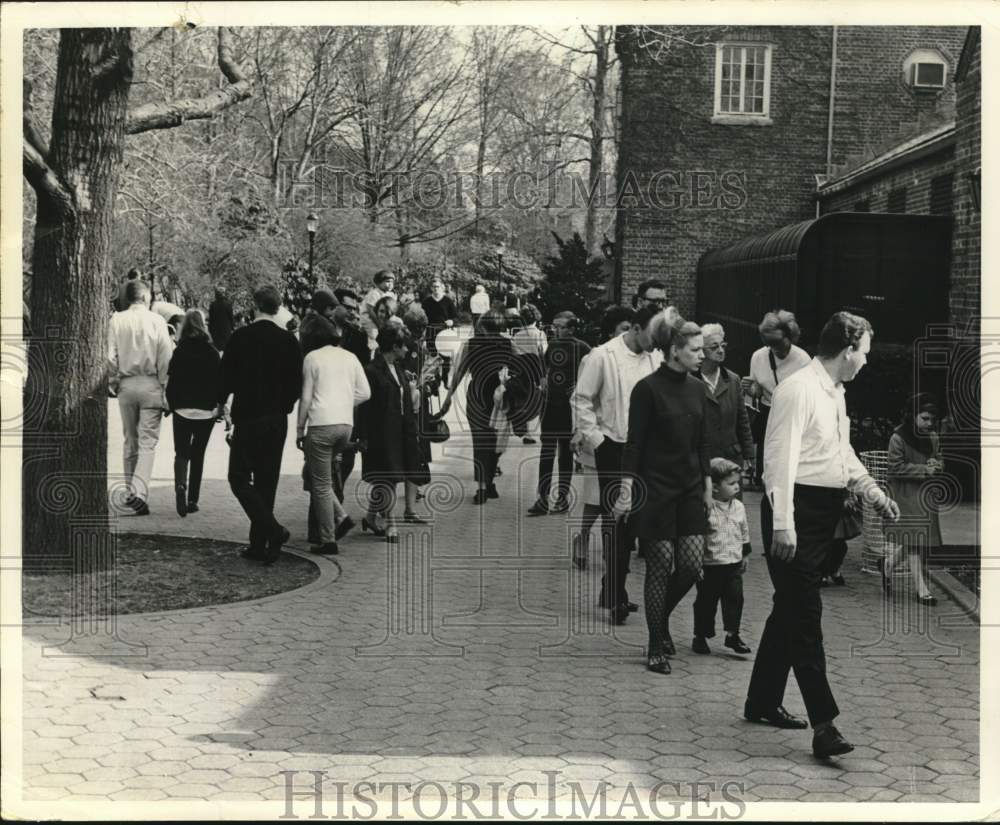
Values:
[(154, 572)]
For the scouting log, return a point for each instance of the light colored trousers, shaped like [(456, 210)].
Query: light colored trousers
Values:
[(140, 399), (322, 445)]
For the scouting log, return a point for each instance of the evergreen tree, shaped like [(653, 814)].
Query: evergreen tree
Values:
[(573, 281)]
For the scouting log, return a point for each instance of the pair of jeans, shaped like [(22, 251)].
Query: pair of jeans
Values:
[(793, 635), (140, 400), (322, 445), (720, 582), (254, 469), (191, 437)]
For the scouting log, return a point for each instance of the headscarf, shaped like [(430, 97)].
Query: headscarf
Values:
[(907, 430)]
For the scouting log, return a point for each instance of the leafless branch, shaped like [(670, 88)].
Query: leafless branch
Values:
[(172, 113)]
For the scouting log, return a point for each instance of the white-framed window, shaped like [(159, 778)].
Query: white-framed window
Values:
[(742, 81)]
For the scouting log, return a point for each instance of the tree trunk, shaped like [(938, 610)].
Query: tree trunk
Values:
[(596, 166), (65, 496)]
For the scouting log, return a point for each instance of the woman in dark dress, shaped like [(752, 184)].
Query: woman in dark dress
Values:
[(192, 395), (387, 431), (666, 483), (489, 359), (423, 373)]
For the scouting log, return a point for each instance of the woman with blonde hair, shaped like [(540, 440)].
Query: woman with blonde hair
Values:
[(666, 485), (192, 395)]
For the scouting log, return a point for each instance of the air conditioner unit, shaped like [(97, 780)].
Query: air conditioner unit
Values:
[(927, 75)]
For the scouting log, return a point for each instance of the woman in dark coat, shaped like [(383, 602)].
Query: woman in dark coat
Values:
[(192, 395), (666, 461), (387, 431), (489, 359)]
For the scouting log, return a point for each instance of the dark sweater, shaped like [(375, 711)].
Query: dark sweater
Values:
[(667, 446), (194, 371), (355, 341), (439, 311), (220, 321), (262, 369)]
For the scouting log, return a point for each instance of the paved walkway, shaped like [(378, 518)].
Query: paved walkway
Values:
[(474, 652)]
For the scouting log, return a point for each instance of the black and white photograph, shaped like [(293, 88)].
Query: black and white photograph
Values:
[(497, 410)]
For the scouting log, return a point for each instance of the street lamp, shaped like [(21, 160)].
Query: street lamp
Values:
[(311, 223), (500, 250)]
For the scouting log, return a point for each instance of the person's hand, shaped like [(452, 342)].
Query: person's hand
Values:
[(445, 406), (504, 375), (744, 565), (623, 505), (934, 466), (707, 500), (887, 508), (783, 545), (362, 446), (300, 442), (576, 442), (747, 383)]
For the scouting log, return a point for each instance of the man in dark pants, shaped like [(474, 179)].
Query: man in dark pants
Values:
[(807, 466), (562, 361), (354, 339), (262, 370), (600, 406)]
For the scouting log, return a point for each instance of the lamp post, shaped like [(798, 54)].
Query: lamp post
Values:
[(500, 250), (311, 223)]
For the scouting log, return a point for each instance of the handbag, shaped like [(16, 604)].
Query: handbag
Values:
[(435, 429)]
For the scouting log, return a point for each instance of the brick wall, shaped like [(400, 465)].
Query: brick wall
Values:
[(965, 274), (915, 178), (752, 179)]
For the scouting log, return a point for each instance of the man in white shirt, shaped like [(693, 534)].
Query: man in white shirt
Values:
[(139, 349), (600, 410), (808, 464), (333, 384), (777, 360)]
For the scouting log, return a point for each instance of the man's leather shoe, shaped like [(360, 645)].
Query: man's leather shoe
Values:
[(700, 645), (139, 507), (327, 549), (632, 607), (736, 644), (491, 491), (619, 615), (777, 718), (828, 742), (274, 545), (539, 508)]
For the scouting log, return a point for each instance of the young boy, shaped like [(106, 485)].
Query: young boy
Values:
[(727, 546)]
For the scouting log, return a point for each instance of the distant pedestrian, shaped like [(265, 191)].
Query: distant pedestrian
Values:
[(333, 384), (727, 546), (530, 344), (440, 310), (262, 370), (562, 363), (121, 302), (192, 394), (479, 303), (914, 459), (139, 349), (221, 321), (777, 360), (449, 342)]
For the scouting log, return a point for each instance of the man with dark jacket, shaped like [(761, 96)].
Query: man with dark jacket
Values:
[(221, 322), (262, 370), (727, 423)]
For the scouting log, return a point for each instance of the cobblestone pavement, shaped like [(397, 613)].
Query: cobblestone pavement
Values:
[(474, 652)]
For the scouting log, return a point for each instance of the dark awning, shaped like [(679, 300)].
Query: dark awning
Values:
[(780, 245)]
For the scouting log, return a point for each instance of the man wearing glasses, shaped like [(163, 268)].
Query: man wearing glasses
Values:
[(651, 293)]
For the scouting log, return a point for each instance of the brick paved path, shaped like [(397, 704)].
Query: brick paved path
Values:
[(474, 652)]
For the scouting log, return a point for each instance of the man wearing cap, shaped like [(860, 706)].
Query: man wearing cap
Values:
[(562, 363), (384, 281)]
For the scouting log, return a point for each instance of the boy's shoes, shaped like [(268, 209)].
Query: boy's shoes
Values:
[(700, 645), (735, 643)]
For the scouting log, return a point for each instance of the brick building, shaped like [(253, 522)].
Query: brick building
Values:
[(727, 132)]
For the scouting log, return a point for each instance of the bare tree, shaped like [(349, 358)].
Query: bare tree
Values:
[(75, 179)]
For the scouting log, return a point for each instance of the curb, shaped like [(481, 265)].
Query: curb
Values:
[(957, 592)]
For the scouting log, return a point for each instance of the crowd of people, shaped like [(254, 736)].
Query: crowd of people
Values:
[(656, 429)]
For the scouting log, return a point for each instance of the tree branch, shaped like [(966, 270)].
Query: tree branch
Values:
[(173, 113), (31, 133), (45, 182)]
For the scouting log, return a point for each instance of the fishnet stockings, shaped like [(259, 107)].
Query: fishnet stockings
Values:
[(670, 574)]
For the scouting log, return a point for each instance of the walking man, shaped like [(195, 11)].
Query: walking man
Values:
[(262, 370), (600, 405), (139, 349), (808, 463), (562, 363)]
